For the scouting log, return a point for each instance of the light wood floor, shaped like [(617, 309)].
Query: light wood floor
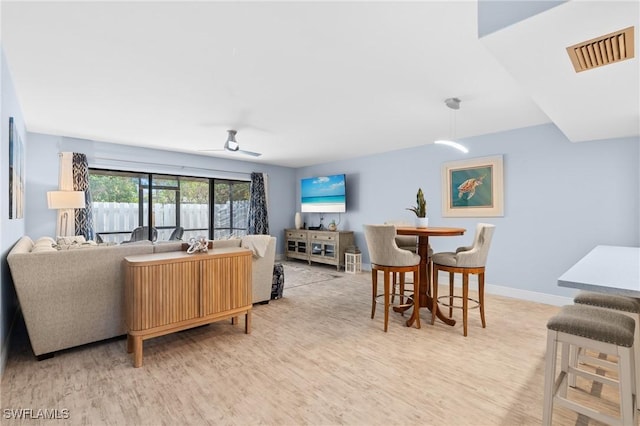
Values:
[(313, 358)]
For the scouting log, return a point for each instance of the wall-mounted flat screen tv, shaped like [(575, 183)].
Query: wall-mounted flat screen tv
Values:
[(323, 194)]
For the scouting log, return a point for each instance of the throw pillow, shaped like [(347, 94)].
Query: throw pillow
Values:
[(66, 243), (47, 240), (43, 244)]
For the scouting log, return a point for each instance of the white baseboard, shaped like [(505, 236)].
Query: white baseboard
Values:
[(532, 296), (515, 293)]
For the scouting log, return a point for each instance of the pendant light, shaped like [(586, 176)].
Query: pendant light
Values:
[(453, 104)]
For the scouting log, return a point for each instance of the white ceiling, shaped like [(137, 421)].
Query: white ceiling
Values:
[(306, 83)]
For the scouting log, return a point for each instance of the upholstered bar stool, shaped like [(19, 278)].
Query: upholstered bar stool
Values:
[(406, 242), (465, 261), (629, 306), (597, 329), (385, 256)]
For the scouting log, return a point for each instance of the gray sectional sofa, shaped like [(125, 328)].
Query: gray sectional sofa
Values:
[(76, 296)]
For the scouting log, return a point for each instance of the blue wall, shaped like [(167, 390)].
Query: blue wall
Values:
[(561, 199), (493, 15), (10, 230), (43, 165)]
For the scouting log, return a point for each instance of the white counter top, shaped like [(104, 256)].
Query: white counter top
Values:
[(606, 269)]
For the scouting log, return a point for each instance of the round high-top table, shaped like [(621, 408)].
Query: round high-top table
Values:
[(425, 278)]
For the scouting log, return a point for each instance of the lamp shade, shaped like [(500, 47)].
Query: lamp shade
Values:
[(65, 200), (452, 144)]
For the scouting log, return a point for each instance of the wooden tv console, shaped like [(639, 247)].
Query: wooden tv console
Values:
[(318, 246), (173, 291)]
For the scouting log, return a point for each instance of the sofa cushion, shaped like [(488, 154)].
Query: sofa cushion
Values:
[(44, 244), (226, 243), (167, 246)]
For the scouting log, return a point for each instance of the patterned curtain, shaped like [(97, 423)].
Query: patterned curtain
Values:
[(84, 217), (258, 218)]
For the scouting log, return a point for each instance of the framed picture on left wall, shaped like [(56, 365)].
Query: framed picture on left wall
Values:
[(16, 173)]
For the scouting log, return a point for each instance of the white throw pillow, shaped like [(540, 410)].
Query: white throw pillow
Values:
[(47, 240), (75, 239), (65, 243), (43, 244), (86, 244)]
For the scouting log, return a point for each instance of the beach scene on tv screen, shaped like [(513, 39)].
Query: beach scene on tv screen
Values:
[(323, 194)]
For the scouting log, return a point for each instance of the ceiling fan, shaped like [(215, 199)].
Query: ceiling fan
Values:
[(233, 146)]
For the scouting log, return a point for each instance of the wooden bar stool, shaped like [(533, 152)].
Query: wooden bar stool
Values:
[(595, 329), (465, 261), (406, 242), (629, 306), (385, 256)]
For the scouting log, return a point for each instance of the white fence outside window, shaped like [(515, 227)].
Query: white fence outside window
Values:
[(123, 218)]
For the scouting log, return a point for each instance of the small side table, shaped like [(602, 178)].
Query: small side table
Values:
[(352, 263)]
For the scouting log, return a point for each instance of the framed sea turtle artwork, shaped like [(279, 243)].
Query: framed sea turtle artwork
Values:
[(473, 188)]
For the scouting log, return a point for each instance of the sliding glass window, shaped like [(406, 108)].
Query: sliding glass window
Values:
[(193, 204), (181, 206), (118, 203), (231, 208)]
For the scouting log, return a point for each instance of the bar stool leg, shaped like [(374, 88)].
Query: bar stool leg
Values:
[(636, 353), (416, 296), (450, 294), (386, 299), (434, 295), (481, 297), (374, 286), (574, 359), (393, 286), (549, 376), (465, 301), (626, 388), (564, 368)]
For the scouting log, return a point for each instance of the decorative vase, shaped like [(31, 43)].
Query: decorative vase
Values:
[(298, 220), (422, 222)]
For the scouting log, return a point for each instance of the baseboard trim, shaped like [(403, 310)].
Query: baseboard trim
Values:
[(532, 296), (514, 293)]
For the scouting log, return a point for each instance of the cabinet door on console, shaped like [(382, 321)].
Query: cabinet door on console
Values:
[(296, 241), (226, 283), (161, 294)]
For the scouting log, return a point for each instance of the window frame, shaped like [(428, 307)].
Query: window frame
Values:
[(233, 228)]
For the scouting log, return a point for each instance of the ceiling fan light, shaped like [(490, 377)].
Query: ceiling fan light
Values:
[(231, 143), (452, 144)]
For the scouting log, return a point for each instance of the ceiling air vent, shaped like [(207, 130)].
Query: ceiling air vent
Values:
[(604, 50)]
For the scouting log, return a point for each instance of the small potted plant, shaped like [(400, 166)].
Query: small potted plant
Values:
[(422, 221)]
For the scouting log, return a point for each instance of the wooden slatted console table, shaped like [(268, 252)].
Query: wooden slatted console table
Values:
[(173, 291)]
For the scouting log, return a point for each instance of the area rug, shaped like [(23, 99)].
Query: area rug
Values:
[(297, 274)]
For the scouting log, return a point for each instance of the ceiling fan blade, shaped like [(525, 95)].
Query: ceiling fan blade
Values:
[(240, 151), (255, 154), (231, 145)]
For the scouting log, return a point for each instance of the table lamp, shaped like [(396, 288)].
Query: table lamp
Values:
[(64, 200)]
